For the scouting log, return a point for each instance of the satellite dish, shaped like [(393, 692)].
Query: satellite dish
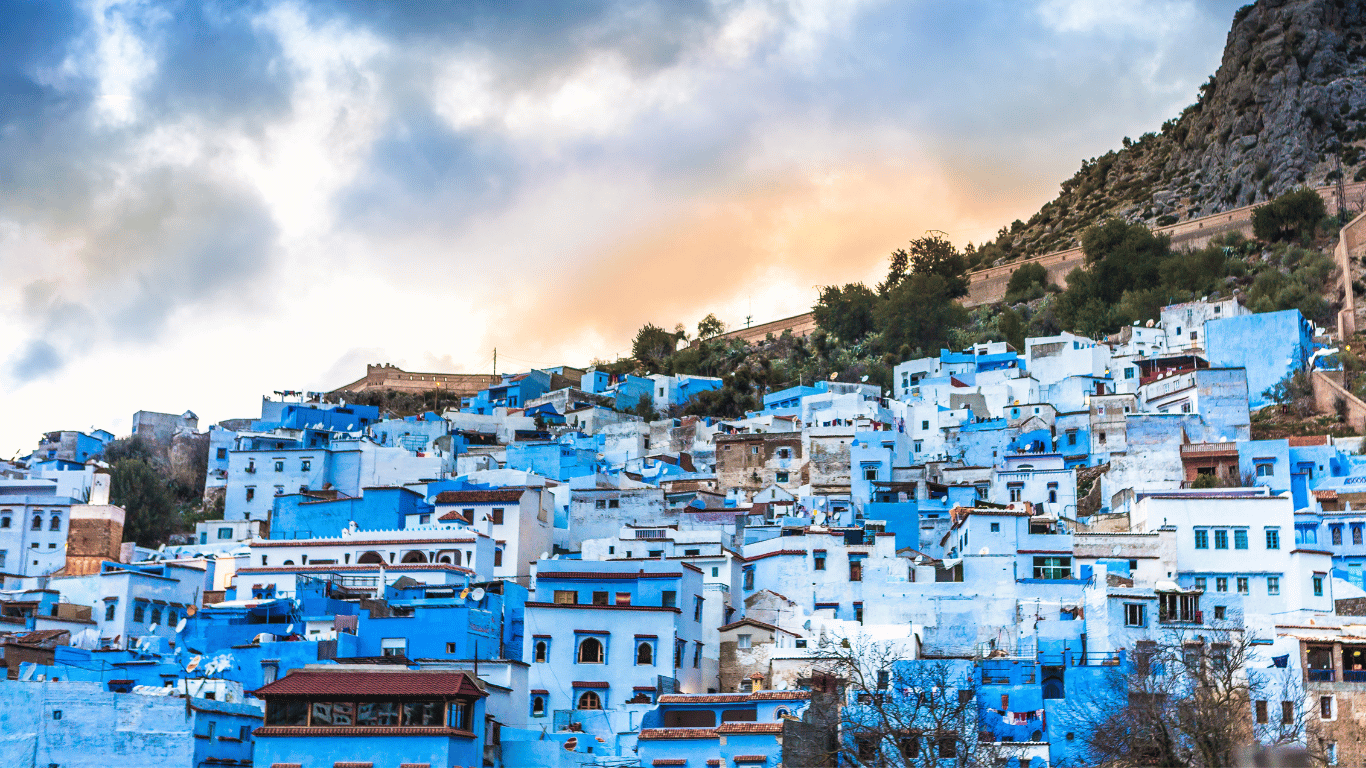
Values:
[(289, 630), (180, 626), (1116, 550), (194, 664), (152, 630), (984, 551), (571, 743), (464, 593), (545, 555), (191, 611), (477, 594)]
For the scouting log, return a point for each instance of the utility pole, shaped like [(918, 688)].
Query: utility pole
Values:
[(495, 361)]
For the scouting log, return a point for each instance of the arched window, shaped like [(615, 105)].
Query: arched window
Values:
[(1052, 688), (542, 650), (37, 523), (590, 652), (538, 706), (589, 700), (370, 557), (288, 562), (645, 654), (415, 557), (446, 559), (55, 524)]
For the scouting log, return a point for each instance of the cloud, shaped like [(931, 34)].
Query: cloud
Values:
[(330, 184)]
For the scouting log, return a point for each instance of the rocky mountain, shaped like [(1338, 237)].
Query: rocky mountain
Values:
[(1287, 107)]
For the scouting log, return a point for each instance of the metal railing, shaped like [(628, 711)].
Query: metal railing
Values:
[(1320, 675)]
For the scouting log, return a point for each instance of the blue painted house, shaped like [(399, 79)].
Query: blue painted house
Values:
[(729, 729), (1269, 345)]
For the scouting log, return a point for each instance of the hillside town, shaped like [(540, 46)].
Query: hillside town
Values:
[(956, 568)]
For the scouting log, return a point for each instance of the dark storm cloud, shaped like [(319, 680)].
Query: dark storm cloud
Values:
[(216, 64), (533, 41), (422, 174), (172, 236), (1000, 95)]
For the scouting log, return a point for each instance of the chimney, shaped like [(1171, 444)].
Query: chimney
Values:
[(99, 489)]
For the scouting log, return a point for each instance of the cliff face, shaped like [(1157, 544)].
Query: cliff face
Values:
[(1287, 104)]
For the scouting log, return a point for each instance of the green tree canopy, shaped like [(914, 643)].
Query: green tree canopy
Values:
[(710, 327), (1025, 281), (151, 515), (933, 255), (846, 311), (920, 312), (1294, 215), (653, 346)]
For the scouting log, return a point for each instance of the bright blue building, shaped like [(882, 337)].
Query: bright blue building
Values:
[(1269, 345)]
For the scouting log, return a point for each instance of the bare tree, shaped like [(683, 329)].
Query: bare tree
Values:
[(899, 711), (1189, 699)]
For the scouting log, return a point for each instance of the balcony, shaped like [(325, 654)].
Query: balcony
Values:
[(1184, 617), (1320, 675), (1354, 676)]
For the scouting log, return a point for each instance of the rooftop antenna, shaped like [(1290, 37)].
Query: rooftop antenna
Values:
[(750, 317), (495, 361)]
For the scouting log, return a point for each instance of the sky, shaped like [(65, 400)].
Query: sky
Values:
[(202, 202)]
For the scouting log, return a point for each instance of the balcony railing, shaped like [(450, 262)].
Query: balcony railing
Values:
[(1197, 617), (1320, 675), (1354, 676)]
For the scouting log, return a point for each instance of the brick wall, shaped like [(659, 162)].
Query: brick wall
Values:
[(93, 536)]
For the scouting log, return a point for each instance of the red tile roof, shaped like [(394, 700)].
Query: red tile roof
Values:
[(728, 698), (478, 497), (591, 684), (750, 758), (597, 575), (757, 623), (371, 683), (357, 542), (775, 554), (1307, 440), (669, 761), (590, 606), (648, 734), (1326, 495), (749, 728), (363, 730)]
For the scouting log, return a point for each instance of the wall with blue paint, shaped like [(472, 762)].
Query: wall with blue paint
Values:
[(1269, 345)]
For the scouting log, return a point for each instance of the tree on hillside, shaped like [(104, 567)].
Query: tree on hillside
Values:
[(653, 346), (896, 271), (141, 491), (710, 327), (1012, 327), (921, 313), (846, 311), (1027, 283), (1292, 216), (933, 255)]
